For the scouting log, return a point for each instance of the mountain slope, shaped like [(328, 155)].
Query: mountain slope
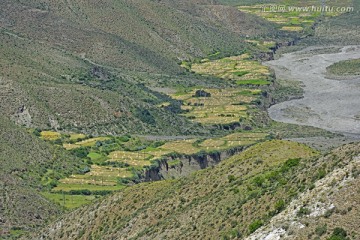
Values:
[(24, 161), (88, 65), (230, 200), (135, 35), (49, 88), (332, 203), (215, 202)]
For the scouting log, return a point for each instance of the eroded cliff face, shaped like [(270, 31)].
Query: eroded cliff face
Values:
[(183, 165)]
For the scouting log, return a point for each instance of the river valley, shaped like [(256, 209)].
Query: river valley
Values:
[(330, 104)]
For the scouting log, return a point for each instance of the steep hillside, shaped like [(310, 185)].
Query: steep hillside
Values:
[(219, 202), (329, 209), (231, 200), (24, 163), (135, 35), (88, 65), (343, 29), (49, 88)]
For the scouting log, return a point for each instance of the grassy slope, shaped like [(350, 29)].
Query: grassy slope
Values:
[(342, 30), (332, 202), (216, 202), (136, 35), (24, 160), (228, 201), (58, 91)]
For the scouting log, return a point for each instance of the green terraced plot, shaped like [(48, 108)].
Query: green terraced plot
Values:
[(69, 201), (95, 156), (257, 82), (67, 187)]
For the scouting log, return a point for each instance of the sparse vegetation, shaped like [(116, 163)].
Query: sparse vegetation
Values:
[(345, 68), (80, 111)]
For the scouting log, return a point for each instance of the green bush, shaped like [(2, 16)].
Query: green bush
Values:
[(321, 230), (303, 211), (338, 234), (321, 174), (258, 181), (231, 178), (255, 225), (80, 152), (290, 163), (279, 206)]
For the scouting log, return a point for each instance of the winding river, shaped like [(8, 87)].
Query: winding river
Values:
[(329, 104)]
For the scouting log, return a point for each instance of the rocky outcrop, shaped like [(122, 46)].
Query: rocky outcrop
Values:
[(182, 165)]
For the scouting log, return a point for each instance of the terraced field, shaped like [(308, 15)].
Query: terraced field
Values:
[(291, 15), (229, 105), (115, 162), (236, 69), (50, 135), (221, 106), (84, 143), (70, 201), (136, 159), (99, 175)]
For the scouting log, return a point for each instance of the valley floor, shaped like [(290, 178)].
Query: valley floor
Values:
[(327, 103)]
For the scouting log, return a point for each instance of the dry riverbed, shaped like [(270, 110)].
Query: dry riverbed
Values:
[(331, 104)]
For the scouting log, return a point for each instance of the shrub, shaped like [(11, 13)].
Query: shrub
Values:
[(145, 116), (338, 234), (125, 138), (303, 211), (258, 181), (290, 163), (329, 212), (80, 152), (37, 132), (279, 205), (255, 225), (84, 170), (321, 230), (231, 178), (321, 174)]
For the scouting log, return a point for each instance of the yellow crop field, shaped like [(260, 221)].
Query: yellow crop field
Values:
[(91, 142), (76, 136), (131, 158), (84, 143), (50, 135), (181, 146), (292, 28), (98, 175), (291, 16), (233, 68), (69, 146), (222, 107)]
